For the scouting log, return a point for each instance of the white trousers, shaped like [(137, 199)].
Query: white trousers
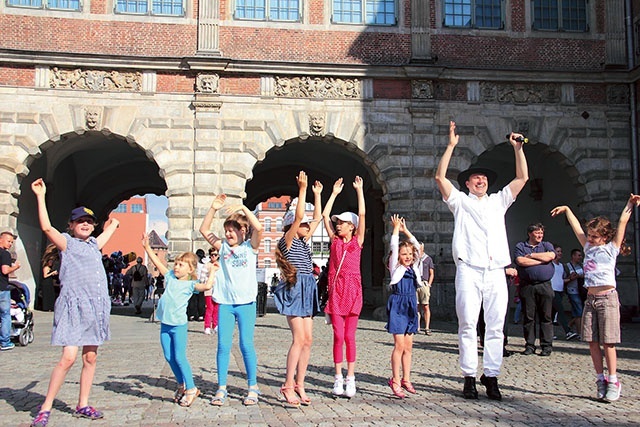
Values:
[(476, 287)]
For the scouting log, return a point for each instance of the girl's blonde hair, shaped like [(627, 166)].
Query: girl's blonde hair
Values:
[(190, 259), (603, 227)]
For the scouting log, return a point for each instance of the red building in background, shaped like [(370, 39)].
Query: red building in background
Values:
[(133, 218)]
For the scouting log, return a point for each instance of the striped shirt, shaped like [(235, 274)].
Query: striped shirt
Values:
[(299, 254)]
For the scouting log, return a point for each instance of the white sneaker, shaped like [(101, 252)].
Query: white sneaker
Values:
[(613, 391), (215, 330), (351, 387), (207, 331), (338, 386)]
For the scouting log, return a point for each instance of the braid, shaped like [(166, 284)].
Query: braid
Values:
[(289, 271)]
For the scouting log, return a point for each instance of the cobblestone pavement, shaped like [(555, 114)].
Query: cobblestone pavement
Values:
[(134, 385)]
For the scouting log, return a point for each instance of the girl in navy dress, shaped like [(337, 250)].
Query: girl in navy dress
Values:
[(81, 312), (402, 304), (297, 296)]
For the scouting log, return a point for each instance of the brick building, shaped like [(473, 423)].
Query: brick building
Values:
[(107, 98)]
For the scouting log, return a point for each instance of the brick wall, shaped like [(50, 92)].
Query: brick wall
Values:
[(240, 85), (17, 76), (174, 82)]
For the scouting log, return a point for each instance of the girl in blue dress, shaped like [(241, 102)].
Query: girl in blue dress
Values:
[(297, 296), (402, 304), (81, 312)]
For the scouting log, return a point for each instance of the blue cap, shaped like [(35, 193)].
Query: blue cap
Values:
[(81, 211)]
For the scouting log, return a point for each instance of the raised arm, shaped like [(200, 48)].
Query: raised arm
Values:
[(162, 269), (362, 228), (573, 222), (256, 226), (40, 190), (444, 185), (205, 227), (634, 200), (213, 268), (522, 170), (317, 207), (326, 213), (396, 222), (300, 208), (411, 238), (107, 231)]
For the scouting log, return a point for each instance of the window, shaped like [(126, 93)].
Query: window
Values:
[(268, 10), (369, 12), (136, 208), (473, 13), (267, 263), (560, 15), (279, 224), (122, 208), (267, 246), (267, 224), (274, 205), (150, 7), (47, 4)]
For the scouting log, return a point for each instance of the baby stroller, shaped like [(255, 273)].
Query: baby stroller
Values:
[(21, 315)]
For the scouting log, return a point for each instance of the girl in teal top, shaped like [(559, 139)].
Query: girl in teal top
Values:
[(180, 284)]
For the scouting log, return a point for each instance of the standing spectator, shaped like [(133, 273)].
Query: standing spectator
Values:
[(211, 307), (534, 261), (557, 283), (50, 265), (8, 266), (423, 293), (481, 251), (81, 318), (138, 276), (274, 282), (196, 307), (573, 282)]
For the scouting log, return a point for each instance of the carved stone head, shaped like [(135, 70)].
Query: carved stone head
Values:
[(92, 117), (316, 124)]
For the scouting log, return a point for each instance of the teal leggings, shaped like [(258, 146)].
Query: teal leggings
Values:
[(245, 315), (174, 346)]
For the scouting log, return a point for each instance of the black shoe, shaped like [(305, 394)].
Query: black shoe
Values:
[(545, 352), (528, 351), (469, 391), (506, 353), (491, 383)]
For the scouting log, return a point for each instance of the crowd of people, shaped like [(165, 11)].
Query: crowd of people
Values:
[(227, 280)]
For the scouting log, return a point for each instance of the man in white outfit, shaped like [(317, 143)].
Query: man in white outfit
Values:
[(481, 252)]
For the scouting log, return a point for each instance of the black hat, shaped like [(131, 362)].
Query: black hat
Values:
[(463, 176)]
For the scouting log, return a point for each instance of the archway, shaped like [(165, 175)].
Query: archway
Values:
[(327, 161), (90, 169)]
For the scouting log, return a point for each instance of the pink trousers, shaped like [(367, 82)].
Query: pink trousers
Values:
[(344, 332), (211, 312)]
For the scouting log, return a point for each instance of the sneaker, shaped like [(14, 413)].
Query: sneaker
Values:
[(207, 331), (41, 420), (9, 346), (613, 391), (338, 386), (350, 390), (545, 352), (571, 335), (602, 389)]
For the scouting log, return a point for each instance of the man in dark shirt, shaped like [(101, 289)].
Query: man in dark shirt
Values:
[(7, 267), (534, 261)]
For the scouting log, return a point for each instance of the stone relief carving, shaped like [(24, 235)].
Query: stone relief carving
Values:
[(207, 83), (422, 89), (316, 124), (520, 93), (92, 117), (318, 87), (96, 80)]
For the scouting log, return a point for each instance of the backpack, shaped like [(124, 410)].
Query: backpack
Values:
[(137, 276)]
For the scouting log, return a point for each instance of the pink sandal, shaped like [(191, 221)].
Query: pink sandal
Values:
[(408, 386), (396, 389)]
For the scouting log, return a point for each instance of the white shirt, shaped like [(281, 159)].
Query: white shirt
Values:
[(600, 265), (397, 270), (480, 233), (557, 282)]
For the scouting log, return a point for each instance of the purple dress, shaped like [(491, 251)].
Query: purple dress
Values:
[(81, 314)]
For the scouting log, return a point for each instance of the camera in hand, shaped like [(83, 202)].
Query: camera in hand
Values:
[(518, 139)]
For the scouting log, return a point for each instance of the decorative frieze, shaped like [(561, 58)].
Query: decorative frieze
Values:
[(318, 87), (522, 94), (95, 80)]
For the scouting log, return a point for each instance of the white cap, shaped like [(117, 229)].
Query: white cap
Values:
[(346, 217), (290, 216)]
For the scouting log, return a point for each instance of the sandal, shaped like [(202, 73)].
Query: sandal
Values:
[(303, 400), (41, 420), (88, 412), (220, 397), (396, 389), (179, 394), (294, 402), (408, 386), (251, 400), (189, 397)]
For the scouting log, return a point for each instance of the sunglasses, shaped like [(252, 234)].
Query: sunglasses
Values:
[(85, 220), (214, 254)]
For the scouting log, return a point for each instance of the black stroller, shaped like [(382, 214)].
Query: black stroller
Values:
[(21, 315)]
